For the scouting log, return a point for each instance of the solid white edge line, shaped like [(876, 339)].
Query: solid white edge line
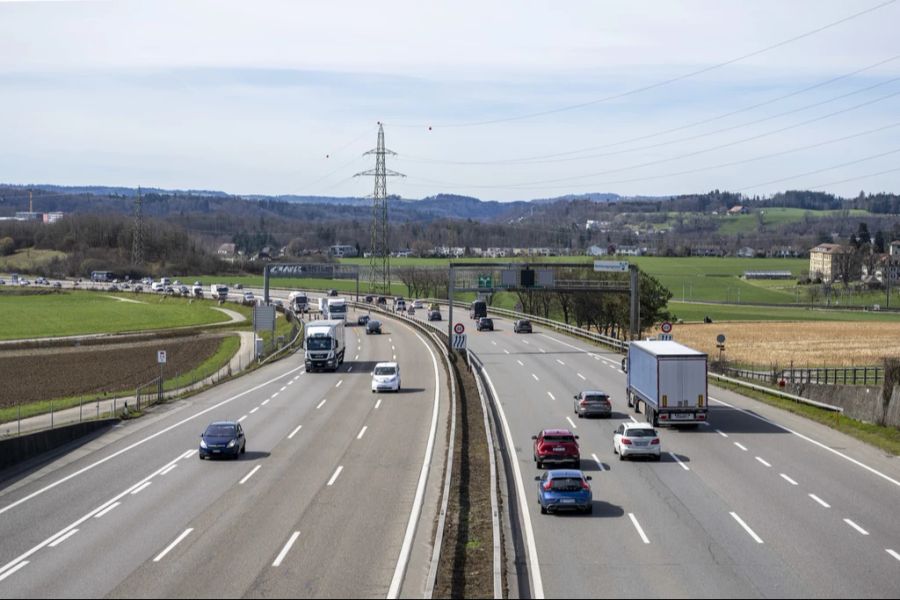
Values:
[(640, 530), (763, 462), (746, 528), (60, 540), (107, 510), (892, 553), (820, 501), (250, 474), (177, 541), (13, 570), (140, 442), (812, 441), (678, 460), (168, 469), (142, 487), (572, 423), (856, 527), (286, 549), (362, 432), (599, 464), (788, 479), (534, 567), (294, 432), (406, 548)]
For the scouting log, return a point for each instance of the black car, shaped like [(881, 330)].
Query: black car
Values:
[(362, 320), (223, 438), (381, 300), (522, 326), (484, 324), (369, 299), (373, 326), (332, 293)]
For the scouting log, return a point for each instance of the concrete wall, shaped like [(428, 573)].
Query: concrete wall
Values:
[(859, 402), (18, 449)]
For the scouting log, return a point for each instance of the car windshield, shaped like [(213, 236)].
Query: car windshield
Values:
[(487, 322), (385, 370), (219, 431), (596, 398), (374, 324), (566, 484), (559, 438), (640, 433), (322, 343)]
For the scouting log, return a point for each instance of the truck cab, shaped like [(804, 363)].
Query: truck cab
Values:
[(324, 345)]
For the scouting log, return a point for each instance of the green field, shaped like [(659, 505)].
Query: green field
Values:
[(79, 313), (28, 259), (776, 217), (730, 312)]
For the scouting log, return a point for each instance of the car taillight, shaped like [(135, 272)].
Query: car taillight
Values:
[(583, 402), (585, 485), (548, 486), (701, 417), (654, 442), (626, 441), (663, 417)]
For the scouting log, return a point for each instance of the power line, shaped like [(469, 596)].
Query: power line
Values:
[(666, 81), (857, 178), (817, 171)]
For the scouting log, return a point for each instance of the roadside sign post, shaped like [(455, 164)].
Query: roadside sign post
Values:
[(161, 359)]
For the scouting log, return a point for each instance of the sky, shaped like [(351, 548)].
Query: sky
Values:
[(504, 100)]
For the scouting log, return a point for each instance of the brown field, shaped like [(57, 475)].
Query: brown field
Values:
[(807, 344), (41, 374)]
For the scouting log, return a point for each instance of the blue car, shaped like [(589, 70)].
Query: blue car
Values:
[(564, 489), (223, 438)]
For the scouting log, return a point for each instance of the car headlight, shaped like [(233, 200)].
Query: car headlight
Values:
[(203, 444), (231, 443)]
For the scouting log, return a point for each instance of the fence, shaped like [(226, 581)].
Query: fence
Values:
[(819, 376)]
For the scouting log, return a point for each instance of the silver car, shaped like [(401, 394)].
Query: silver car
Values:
[(636, 439), (592, 403)]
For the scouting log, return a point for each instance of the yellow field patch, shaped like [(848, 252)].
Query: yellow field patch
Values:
[(807, 344)]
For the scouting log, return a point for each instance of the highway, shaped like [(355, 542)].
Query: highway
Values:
[(320, 504), (760, 503)]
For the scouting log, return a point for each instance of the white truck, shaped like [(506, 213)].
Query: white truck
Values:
[(218, 291), (324, 345), (323, 307), (669, 380), (298, 302), (337, 309)]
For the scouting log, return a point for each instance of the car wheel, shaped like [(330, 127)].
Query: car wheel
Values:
[(615, 450), (621, 456), (244, 449), (540, 465), (658, 457), (590, 509), (543, 510)]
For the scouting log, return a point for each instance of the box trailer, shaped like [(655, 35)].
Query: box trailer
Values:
[(669, 381)]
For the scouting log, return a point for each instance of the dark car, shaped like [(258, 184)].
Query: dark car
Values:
[(238, 286), (556, 446), (332, 292), (434, 315), (484, 324), (381, 301), (369, 299), (362, 320), (564, 490), (522, 326), (591, 403), (223, 438), (373, 326)]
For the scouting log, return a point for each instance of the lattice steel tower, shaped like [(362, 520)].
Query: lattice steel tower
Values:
[(380, 275), (137, 238)]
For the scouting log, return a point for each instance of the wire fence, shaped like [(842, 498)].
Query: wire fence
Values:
[(818, 376)]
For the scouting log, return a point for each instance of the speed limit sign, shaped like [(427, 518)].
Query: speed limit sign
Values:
[(459, 328), (666, 327)]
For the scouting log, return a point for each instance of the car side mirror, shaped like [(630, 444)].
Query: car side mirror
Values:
[(577, 437), (575, 396), (537, 477), (534, 437), (588, 478)]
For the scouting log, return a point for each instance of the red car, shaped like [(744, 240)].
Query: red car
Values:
[(556, 446)]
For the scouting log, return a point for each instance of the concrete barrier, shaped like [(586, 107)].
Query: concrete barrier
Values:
[(18, 449)]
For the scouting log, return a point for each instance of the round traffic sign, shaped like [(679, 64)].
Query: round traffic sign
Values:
[(459, 328), (666, 327)]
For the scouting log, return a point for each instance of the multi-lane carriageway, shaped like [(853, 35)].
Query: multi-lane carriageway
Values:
[(759, 503), (328, 501)]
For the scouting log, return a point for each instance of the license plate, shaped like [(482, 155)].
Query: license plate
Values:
[(682, 416), (568, 501), (640, 444), (559, 449), (216, 451)]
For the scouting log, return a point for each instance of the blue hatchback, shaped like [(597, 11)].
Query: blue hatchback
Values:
[(223, 438), (564, 489)]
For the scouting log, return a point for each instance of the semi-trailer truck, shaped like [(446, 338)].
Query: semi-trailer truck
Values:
[(669, 381), (218, 291), (324, 345), (298, 302), (336, 309)]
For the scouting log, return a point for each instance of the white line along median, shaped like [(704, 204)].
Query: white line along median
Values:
[(286, 549), (747, 528), (177, 541)]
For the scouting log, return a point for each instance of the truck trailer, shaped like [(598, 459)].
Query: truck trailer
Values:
[(669, 380)]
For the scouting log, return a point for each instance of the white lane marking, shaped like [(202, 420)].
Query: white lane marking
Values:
[(678, 460), (296, 378), (107, 510), (534, 566), (892, 553), (356, 357), (140, 442), (505, 350), (339, 383), (526, 341), (334, 477), (249, 475), (521, 364), (572, 423), (552, 397), (291, 382), (322, 403), (582, 376), (349, 368), (167, 469), (788, 479), (393, 348), (493, 342), (820, 501), (746, 528), (13, 570), (633, 420), (362, 432), (390, 339), (812, 441), (761, 461), (266, 401), (741, 446), (177, 541), (415, 513), (284, 387), (187, 454), (599, 464), (394, 357), (286, 549), (141, 487), (294, 432), (613, 367), (242, 418), (60, 540), (722, 433), (377, 404), (542, 350), (638, 527), (275, 395), (560, 362), (856, 527), (254, 410), (535, 377)]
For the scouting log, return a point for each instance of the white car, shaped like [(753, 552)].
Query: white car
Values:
[(386, 377), (418, 305), (636, 439)]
